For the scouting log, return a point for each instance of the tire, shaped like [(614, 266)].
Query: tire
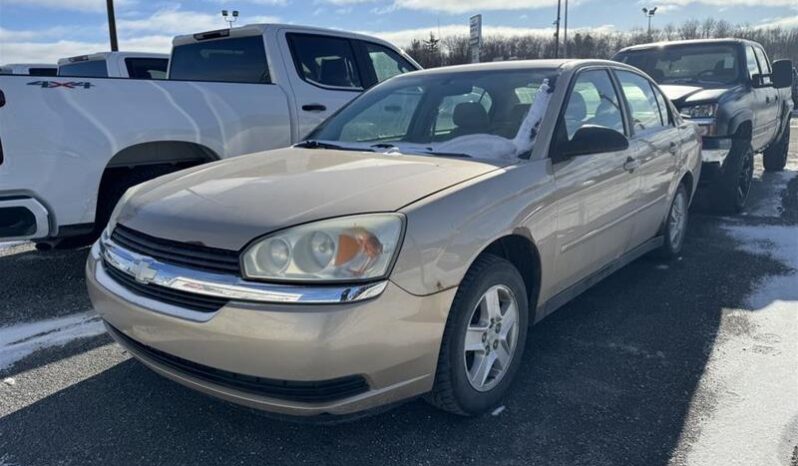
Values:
[(454, 390), (675, 226), (730, 191), (775, 157)]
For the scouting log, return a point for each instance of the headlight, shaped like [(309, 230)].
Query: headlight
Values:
[(346, 249), (700, 111)]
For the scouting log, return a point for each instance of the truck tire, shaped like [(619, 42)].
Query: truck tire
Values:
[(775, 157), (481, 353), (730, 190)]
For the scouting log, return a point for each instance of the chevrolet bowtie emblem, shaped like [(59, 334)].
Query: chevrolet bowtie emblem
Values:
[(143, 271)]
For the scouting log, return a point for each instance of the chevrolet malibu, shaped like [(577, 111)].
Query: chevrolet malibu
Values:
[(406, 246)]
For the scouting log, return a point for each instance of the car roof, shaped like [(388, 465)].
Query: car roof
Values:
[(560, 64), (677, 43)]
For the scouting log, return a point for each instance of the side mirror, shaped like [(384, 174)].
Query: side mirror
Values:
[(782, 73), (594, 140)]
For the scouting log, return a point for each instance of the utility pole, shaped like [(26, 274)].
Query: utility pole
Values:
[(112, 25), (565, 33), (557, 31)]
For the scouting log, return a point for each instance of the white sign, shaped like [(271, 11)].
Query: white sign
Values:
[(475, 37)]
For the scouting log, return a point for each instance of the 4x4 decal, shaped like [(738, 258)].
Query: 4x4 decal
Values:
[(67, 84)]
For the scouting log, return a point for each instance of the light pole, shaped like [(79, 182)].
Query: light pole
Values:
[(230, 18), (109, 4), (557, 31), (649, 13), (565, 33)]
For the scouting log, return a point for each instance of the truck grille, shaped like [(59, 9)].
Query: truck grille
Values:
[(195, 302), (307, 392), (176, 252)]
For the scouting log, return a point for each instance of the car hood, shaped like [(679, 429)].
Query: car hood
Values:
[(229, 203), (682, 95)]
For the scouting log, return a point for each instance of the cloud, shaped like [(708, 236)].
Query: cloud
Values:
[(727, 3), (78, 5), (403, 37), (50, 52), (175, 21), (786, 23), (461, 6)]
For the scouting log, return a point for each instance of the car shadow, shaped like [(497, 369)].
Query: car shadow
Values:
[(608, 379)]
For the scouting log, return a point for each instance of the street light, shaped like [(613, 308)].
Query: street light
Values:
[(649, 13), (230, 18)]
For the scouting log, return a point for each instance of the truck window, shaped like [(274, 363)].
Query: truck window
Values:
[(750, 60), (642, 101), (686, 64), (764, 65), (146, 68), (42, 71), (85, 69), (238, 60), (386, 62), (325, 61)]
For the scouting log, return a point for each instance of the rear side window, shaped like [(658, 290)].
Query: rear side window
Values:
[(386, 62), (42, 71), (146, 68), (663, 107), (85, 69), (238, 60), (325, 61), (643, 104)]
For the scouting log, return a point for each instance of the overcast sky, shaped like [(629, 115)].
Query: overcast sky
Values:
[(45, 30)]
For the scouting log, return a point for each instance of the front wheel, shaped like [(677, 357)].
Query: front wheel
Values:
[(483, 340), (731, 189), (775, 157)]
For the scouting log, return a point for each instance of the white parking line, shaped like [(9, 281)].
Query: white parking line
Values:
[(21, 340)]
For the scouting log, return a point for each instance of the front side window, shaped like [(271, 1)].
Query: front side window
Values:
[(238, 60), (593, 101), (643, 104), (146, 68), (764, 65), (325, 61), (85, 69), (386, 62), (436, 108), (704, 64), (750, 61)]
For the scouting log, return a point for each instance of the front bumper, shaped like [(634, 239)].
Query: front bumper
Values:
[(715, 149), (391, 341)]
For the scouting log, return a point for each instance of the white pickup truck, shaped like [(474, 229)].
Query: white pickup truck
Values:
[(69, 147), (136, 65)]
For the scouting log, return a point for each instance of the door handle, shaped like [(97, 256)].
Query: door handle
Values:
[(314, 108), (631, 164)]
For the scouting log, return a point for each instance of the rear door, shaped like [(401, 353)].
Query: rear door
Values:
[(595, 192), (772, 106), (326, 75), (759, 97), (656, 145)]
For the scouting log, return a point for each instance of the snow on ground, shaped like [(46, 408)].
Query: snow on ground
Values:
[(772, 186), (755, 371), (20, 340)]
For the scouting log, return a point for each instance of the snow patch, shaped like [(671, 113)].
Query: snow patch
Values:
[(21, 340)]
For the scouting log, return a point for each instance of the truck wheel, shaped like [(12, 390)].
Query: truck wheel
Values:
[(675, 227), (731, 189), (483, 340), (775, 157)]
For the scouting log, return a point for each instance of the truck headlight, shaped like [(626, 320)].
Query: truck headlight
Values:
[(345, 249), (700, 111)]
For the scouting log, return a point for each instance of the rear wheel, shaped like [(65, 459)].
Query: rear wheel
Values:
[(675, 228), (483, 340), (731, 189), (775, 157)]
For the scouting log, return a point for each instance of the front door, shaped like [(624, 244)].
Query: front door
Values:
[(595, 192)]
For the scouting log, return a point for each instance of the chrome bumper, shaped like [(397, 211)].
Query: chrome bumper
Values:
[(149, 271)]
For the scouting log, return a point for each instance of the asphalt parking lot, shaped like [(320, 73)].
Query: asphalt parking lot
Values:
[(689, 362)]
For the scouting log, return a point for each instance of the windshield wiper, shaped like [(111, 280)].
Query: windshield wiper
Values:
[(427, 151), (447, 154), (315, 144)]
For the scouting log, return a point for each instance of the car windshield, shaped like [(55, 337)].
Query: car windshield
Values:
[(693, 64), (465, 113)]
